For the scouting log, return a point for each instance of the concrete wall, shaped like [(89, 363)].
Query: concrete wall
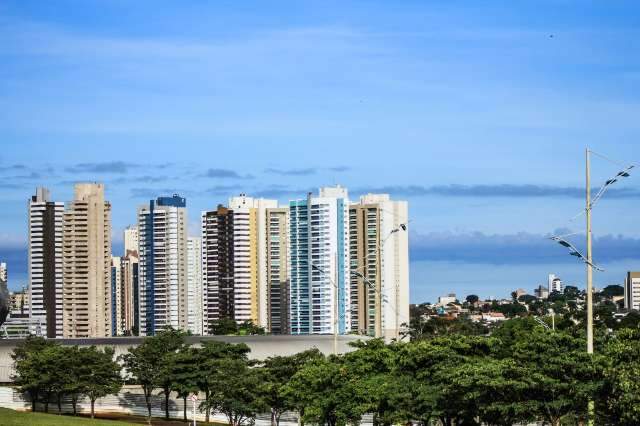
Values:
[(130, 400), (261, 346)]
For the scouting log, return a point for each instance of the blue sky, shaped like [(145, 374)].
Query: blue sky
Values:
[(476, 113)]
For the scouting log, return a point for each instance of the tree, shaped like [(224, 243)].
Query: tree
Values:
[(562, 375), (145, 364), (208, 360), (622, 378), (236, 391), (224, 327), (99, 373), (184, 375), (612, 290), (571, 292), (28, 367), (276, 372), (325, 393), (472, 299)]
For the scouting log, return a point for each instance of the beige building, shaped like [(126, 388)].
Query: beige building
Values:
[(277, 271), (632, 291), (250, 258), (129, 271), (86, 294), (379, 262)]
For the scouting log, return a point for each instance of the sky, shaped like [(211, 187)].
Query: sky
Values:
[(477, 113)]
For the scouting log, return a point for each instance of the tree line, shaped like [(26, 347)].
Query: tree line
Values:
[(521, 373)]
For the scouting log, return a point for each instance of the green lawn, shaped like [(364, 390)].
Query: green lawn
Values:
[(17, 418)]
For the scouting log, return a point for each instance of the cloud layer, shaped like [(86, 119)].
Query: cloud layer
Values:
[(501, 190), (519, 248)]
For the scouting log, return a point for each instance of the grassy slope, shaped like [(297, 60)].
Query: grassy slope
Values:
[(16, 418)]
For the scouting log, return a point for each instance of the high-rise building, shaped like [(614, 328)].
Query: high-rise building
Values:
[(45, 261), (131, 239), (19, 302), (117, 314), (86, 241), (379, 261), (195, 294), (234, 256), (555, 284), (277, 274), (130, 293), (632, 291), (162, 233), (249, 258), (319, 251), (217, 265)]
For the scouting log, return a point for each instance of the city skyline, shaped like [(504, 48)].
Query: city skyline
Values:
[(278, 102)]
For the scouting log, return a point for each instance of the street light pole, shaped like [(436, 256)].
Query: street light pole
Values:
[(589, 258), (335, 305), (591, 404)]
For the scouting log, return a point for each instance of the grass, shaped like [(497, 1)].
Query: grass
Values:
[(18, 418)]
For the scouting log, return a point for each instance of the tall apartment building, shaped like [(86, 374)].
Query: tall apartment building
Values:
[(277, 274), (319, 248), (555, 284), (234, 256), (45, 261), (131, 239), (4, 276), (195, 294), (86, 254), (217, 265), (379, 262), (162, 232), (130, 292), (117, 303), (632, 291)]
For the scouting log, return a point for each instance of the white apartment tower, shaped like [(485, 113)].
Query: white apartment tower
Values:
[(86, 241), (379, 255), (162, 233), (131, 239), (319, 263), (117, 297), (555, 284), (195, 294)]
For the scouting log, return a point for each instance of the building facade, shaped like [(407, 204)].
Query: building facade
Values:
[(117, 311), (319, 295), (632, 291), (195, 294), (277, 274), (162, 233), (130, 292), (379, 254), (86, 242), (45, 261), (131, 239), (234, 261)]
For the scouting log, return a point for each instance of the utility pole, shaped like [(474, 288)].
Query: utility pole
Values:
[(335, 308), (591, 404), (589, 259)]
